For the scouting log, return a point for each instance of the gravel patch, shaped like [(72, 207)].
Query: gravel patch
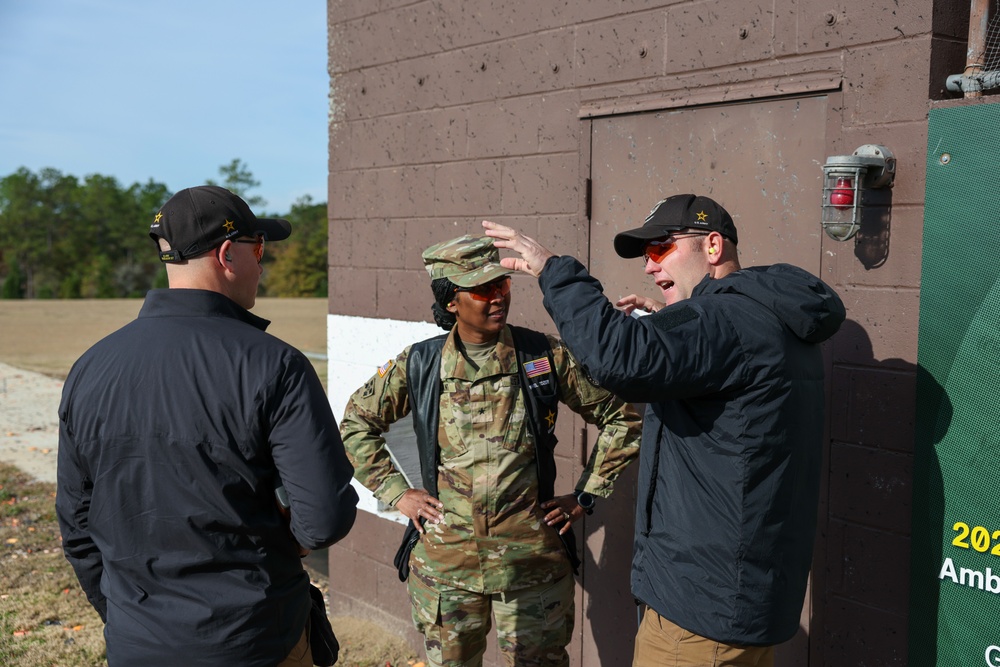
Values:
[(29, 421)]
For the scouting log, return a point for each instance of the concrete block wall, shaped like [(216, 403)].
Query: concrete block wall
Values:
[(447, 111), (862, 571)]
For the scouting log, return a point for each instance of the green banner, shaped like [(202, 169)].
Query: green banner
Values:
[(955, 564)]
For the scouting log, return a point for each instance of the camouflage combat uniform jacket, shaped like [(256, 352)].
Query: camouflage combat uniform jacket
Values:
[(493, 537)]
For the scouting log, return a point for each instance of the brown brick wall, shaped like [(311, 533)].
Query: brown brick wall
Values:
[(448, 111)]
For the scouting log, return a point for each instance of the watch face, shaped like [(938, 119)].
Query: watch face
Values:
[(585, 499)]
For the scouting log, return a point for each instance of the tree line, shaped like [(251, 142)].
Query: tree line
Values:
[(66, 238)]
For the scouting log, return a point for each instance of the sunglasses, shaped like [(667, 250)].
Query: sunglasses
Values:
[(258, 251), (660, 248), (486, 291)]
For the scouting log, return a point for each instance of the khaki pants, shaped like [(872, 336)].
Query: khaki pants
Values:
[(660, 643), (534, 625), (301, 654)]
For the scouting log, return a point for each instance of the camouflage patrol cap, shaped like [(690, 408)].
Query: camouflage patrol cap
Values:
[(466, 261)]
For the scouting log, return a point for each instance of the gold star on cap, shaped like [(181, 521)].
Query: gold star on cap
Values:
[(702, 216), (158, 216), (229, 225)]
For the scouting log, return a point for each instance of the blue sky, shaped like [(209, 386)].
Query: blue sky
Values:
[(168, 91)]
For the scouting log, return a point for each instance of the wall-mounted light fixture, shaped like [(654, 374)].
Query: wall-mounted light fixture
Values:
[(848, 185)]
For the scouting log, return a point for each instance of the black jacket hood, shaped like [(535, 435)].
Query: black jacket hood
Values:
[(804, 303)]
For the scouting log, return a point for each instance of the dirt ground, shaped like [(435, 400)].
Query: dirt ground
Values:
[(40, 340)]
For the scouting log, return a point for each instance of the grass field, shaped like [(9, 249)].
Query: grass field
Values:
[(48, 335), (45, 619)]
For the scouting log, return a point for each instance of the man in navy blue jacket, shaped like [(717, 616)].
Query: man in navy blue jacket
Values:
[(175, 432), (730, 368)]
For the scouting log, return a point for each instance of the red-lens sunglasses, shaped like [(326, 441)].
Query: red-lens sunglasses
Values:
[(660, 248), (258, 251), (486, 291)]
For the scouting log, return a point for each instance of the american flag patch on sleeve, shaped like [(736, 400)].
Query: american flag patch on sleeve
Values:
[(537, 367), (384, 368)]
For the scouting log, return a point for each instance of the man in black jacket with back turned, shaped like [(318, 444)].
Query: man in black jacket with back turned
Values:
[(731, 371), (175, 432)]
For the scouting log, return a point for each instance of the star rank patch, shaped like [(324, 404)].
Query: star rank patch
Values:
[(384, 368), (537, 367), (369, 389)]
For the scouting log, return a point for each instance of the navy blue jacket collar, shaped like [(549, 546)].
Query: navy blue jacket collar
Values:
[(197, 303)]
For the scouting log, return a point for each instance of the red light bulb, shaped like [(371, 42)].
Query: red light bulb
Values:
[(842, 195)]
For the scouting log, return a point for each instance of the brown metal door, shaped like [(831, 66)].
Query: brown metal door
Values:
[(761, 161)]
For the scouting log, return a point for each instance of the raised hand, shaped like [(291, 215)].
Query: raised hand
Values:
[(635, 302), (533, 254)]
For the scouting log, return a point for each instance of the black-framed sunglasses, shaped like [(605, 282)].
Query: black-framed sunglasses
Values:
[(258, 251)]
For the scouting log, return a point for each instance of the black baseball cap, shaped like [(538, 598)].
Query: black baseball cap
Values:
[(672, 215), (195, 220)]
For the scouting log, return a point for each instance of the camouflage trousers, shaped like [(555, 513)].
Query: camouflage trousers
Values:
[(534, 625)]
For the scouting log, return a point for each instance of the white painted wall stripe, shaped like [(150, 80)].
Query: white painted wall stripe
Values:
[(356, 347)]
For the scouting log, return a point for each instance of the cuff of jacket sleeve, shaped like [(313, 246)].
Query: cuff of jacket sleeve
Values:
[(392, 489), (594, 485)]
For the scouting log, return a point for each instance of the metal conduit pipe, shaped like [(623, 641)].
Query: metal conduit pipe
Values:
[(973, 80), (958, 83)]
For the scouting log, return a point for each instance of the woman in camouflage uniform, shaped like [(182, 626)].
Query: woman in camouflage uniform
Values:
[(488, 544)]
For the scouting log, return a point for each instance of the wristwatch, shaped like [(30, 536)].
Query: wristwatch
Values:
[(586, 501)]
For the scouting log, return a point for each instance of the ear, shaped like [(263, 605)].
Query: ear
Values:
[(452, 305), (223, 254), (713, 247)]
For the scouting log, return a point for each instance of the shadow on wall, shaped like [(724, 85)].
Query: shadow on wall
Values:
[(864, 403), (871, 245), (607, 569), (927, 551)]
